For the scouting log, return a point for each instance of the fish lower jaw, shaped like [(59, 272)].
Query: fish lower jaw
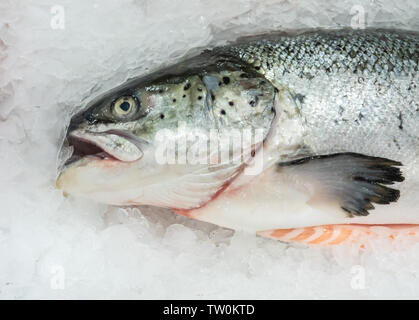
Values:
[(103, 145)]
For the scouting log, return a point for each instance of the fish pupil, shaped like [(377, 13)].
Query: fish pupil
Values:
[(125, 106)]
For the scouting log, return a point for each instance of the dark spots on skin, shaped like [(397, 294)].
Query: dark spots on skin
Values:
[(174, 100), (212, 97), (276, 90), (254, 101), (412, 85), (161, 116), (390, 66), (184, 96), (360, 116), (299, 97), (226, 80), (187, 86), (309, 76), (273, 109), (352, 54), (199, 97), (219, 83), (396, 143), (257, 67), (341, 110), (231, 103), (400, 117), (223, 112)]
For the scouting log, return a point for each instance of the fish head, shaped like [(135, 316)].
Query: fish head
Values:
[(120, 152)]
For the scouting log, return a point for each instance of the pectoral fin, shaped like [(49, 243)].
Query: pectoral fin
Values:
[(350, 180)]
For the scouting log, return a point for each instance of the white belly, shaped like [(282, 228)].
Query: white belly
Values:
[(270, 201)]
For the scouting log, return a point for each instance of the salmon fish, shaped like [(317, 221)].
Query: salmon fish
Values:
[(309, 137)]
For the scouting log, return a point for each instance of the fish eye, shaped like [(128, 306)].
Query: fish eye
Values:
[(124, 106)]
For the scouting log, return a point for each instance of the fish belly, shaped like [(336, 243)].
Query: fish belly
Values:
[(272, 206)]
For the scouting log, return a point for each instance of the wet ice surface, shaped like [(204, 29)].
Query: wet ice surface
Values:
[(56, 247)]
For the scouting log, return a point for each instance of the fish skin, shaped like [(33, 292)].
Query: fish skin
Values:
[(352, 85), (338, 91)]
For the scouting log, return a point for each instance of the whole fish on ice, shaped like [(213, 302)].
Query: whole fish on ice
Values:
[(310, 137)]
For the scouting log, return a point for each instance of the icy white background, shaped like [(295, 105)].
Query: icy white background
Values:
[(56, 247)]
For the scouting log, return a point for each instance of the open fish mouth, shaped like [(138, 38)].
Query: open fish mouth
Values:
[(112, 145)]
